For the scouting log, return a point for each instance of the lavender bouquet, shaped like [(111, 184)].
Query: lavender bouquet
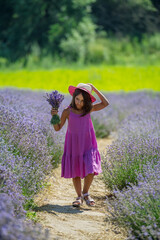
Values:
[(55, 99)]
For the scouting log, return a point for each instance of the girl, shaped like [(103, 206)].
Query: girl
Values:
[(81, 158)]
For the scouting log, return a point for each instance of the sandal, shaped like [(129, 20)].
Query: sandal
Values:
[(78, 202), (89, 201)]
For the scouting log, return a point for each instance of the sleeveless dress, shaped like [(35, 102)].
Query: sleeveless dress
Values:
[(81, 156)]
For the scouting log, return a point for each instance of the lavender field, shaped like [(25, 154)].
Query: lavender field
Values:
[(131, 166), (30, 149)]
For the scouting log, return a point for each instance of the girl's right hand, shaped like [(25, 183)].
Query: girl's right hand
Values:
[(54, 111), (93, 88)]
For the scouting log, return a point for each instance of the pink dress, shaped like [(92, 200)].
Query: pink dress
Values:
[(80, 156)]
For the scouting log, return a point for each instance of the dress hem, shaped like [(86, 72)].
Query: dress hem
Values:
[(85, 164), (95, 173)]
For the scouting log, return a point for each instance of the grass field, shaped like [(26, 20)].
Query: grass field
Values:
[(105, 78)]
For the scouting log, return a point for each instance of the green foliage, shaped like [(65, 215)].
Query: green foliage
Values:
[(30, 31), (45, 23), (125, 52), (56, 152), (75, 46), (82, 3), (29, 204), (101, 130), (32, 216), (3, 62), (122, 18), (30, 207), (96, 53), (156, 4)]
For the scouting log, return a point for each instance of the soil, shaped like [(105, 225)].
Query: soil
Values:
[(55, 211)]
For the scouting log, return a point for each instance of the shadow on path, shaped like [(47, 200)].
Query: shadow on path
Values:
[(59, 209)]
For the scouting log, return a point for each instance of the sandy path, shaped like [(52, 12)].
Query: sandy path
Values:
[(56, 213)]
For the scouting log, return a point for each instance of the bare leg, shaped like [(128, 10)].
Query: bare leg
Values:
[(77, 185), (87, 182)]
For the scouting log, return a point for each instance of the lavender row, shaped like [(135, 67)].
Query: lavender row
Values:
[(25, 124), (123, 105), (13, 227), (137, 208), (131, 170), (137, 143), (29, 150), (13, 224)]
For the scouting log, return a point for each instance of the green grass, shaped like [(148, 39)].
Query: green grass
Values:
[(105, 78)]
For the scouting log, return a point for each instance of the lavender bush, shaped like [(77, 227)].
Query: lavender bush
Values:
[(28, 152), (137, 144), (13, 224), (13, 227), (131, 170), (138, 207), (26, 127), (122, 105)]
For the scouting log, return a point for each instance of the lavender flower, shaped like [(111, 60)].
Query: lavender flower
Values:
[(55, 99), (137, 207), (13, 227)]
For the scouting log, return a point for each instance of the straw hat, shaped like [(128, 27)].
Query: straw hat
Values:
[(87, 88)]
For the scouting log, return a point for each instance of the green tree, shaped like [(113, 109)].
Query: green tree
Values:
[(75, 45), (121, 18), (42, 22), (156, 4)]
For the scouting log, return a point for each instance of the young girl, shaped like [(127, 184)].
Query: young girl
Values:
[(81, 158)]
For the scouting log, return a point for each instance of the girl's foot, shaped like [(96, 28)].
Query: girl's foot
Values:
[(78, 202), (89, 201)]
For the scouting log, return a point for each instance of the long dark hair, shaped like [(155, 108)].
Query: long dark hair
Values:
[(87, 101)]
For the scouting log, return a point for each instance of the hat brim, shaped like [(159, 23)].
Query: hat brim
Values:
[(71, 90)]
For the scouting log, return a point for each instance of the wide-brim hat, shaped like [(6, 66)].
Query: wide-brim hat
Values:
[(83, 86)]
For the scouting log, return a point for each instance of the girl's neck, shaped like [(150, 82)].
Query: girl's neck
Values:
[(77, 111)]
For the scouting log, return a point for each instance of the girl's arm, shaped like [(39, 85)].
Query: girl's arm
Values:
[(64, 115), (104, 101)]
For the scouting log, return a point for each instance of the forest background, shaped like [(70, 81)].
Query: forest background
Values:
[(77, 35)]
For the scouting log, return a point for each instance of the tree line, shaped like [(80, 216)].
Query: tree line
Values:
[(53, 27)]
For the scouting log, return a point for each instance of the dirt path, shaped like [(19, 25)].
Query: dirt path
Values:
[(56, 213)]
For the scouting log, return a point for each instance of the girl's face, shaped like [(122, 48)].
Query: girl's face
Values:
[(79, 101)]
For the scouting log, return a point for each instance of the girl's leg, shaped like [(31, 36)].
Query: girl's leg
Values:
[(77, 185), (87, 182)]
